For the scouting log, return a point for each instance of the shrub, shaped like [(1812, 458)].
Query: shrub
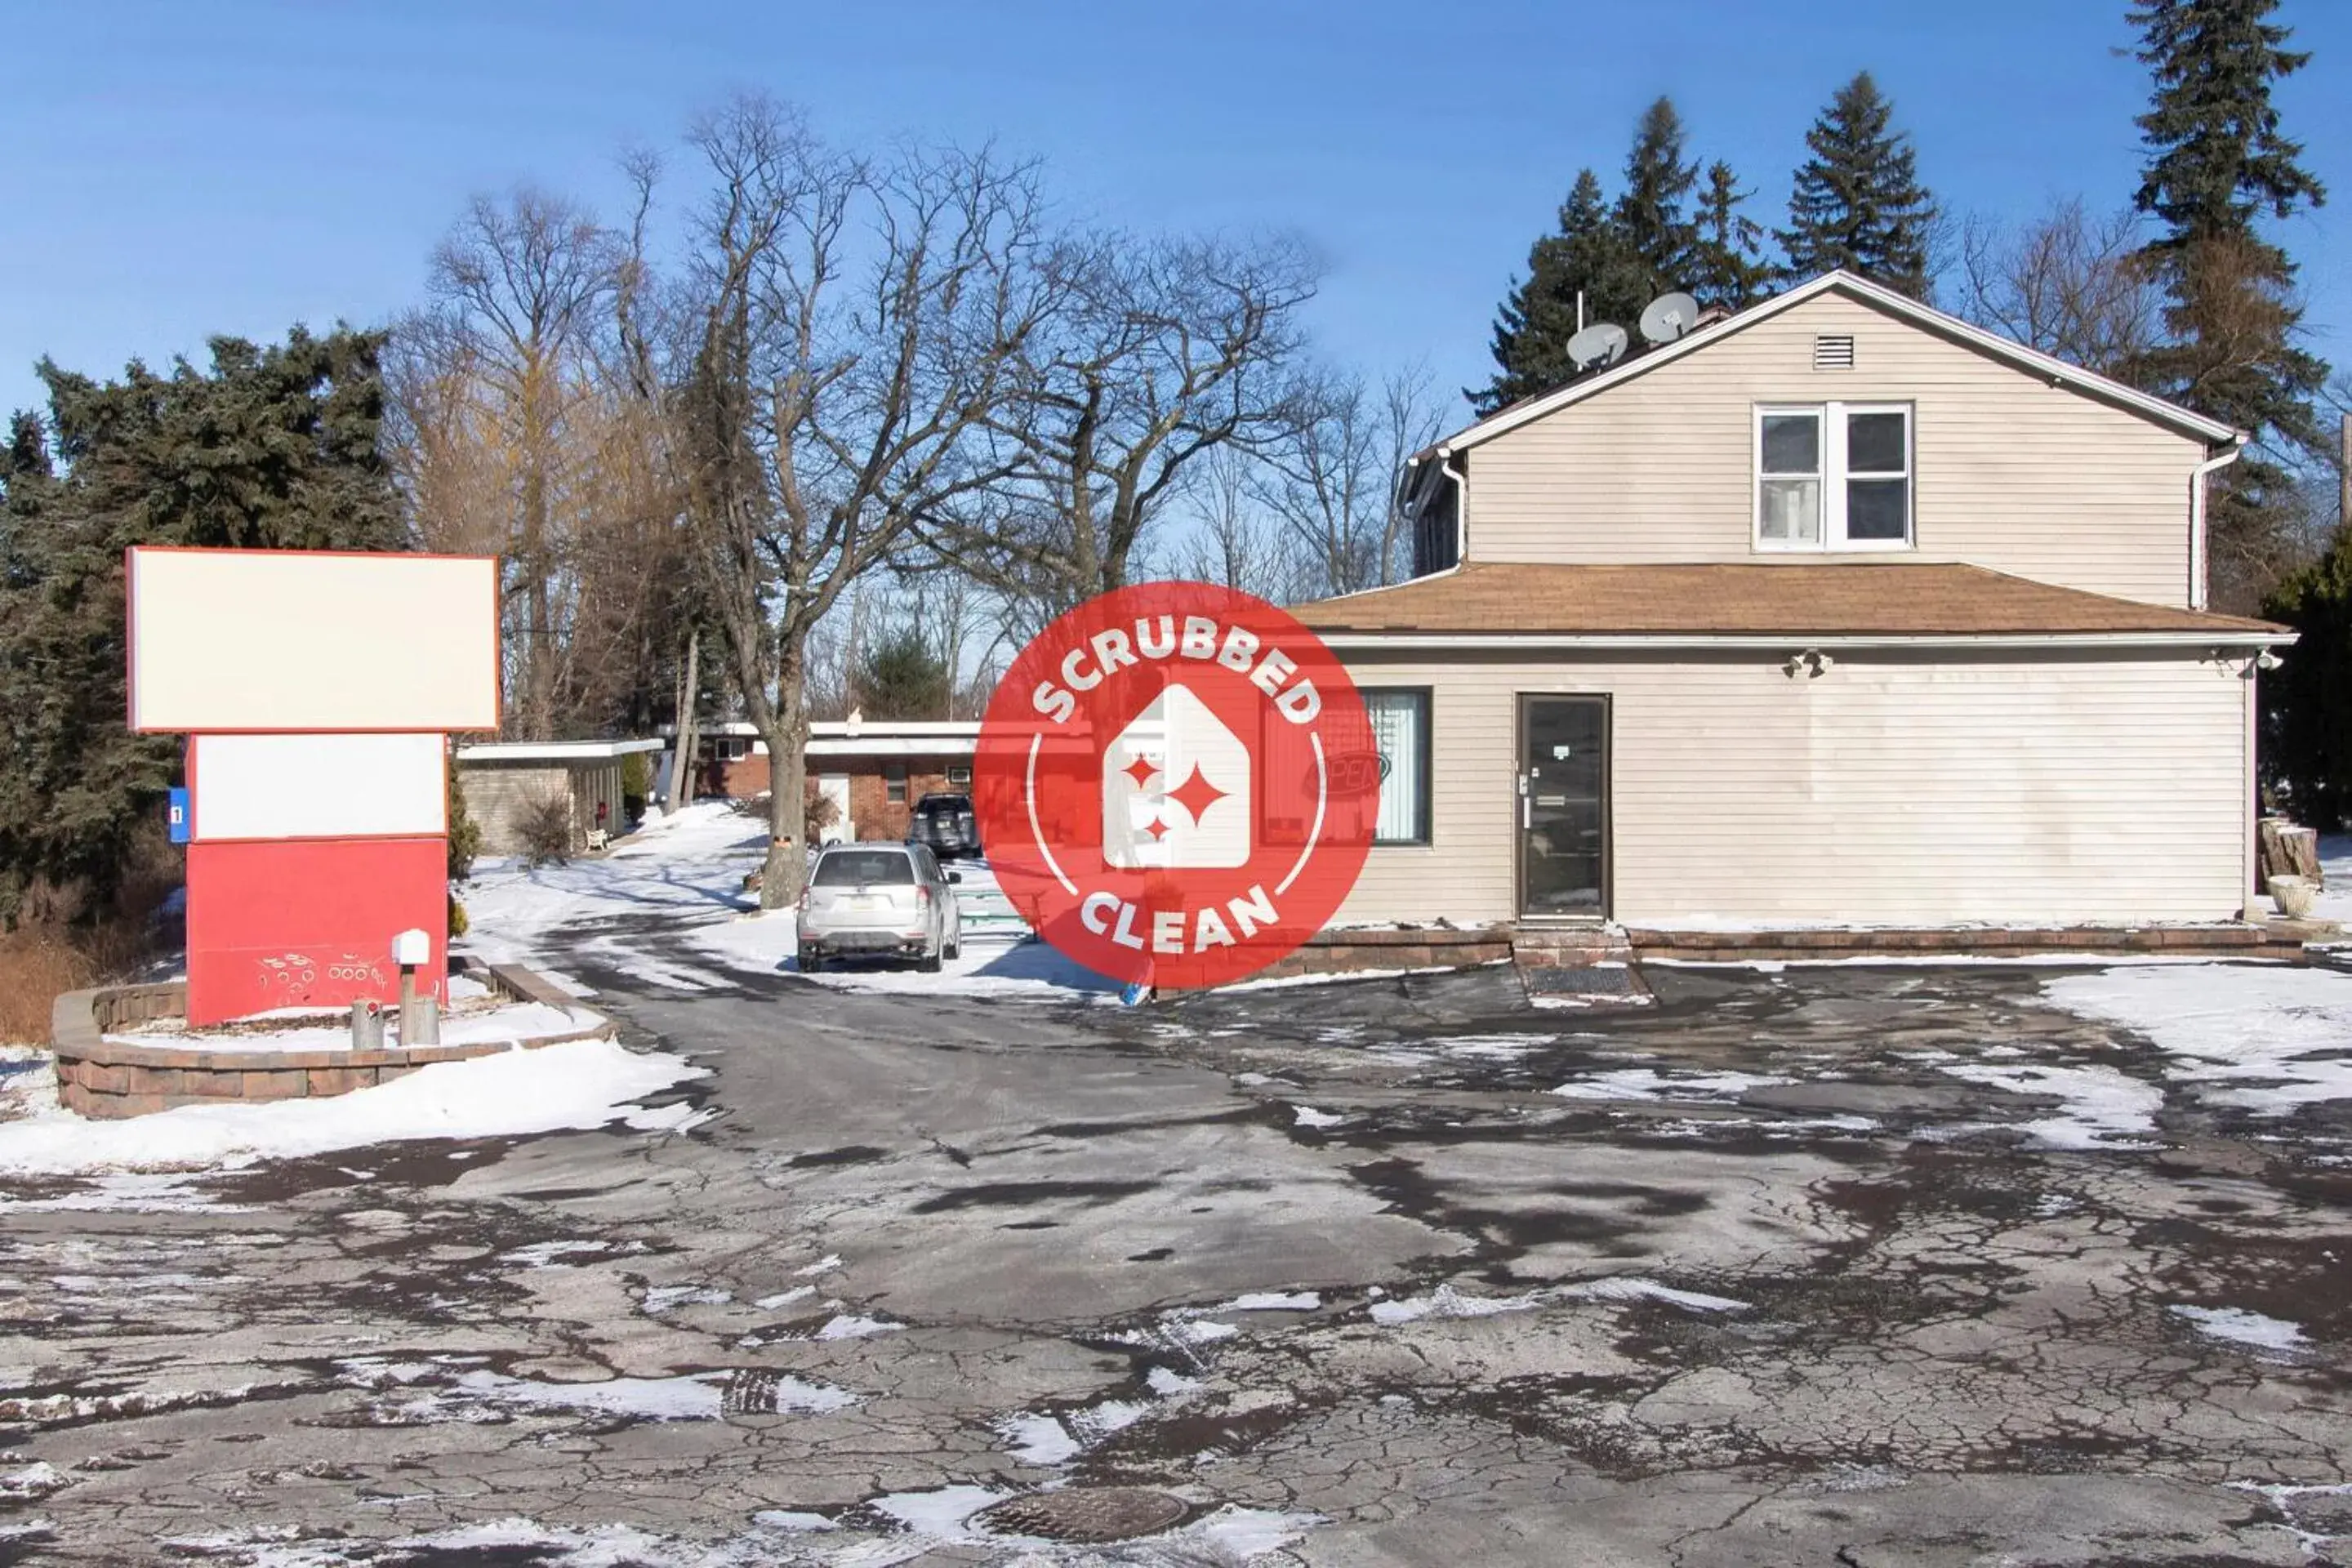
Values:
[(544, 826), (637, 784), (464, 833), (823, 810)]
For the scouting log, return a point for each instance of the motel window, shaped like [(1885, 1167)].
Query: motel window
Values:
[(1834, 476), (959, 775), (894, 783), (1399, 719), (731, 748)]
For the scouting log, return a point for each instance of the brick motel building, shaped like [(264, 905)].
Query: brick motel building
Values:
[(874, 770)]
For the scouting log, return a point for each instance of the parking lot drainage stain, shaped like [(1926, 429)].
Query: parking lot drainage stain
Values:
[(2241, 1327)]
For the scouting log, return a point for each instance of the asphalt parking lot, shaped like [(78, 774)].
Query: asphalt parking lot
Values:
[(1849, 1266)]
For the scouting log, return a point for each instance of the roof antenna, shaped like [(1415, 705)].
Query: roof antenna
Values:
[(1580, 309)]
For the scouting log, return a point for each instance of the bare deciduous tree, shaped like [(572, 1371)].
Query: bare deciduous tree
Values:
[(2067, 283), (857, 325), (1158, 353), (1331, 476)]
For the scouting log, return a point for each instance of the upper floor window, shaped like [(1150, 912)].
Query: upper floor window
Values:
[(1834, 476)]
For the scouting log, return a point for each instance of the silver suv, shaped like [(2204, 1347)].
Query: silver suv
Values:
[(880, 900)]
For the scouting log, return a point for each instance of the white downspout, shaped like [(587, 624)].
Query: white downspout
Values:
[(2197, 595), (1461, 505)]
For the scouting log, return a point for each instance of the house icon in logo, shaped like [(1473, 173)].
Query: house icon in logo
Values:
[(1176, 789)]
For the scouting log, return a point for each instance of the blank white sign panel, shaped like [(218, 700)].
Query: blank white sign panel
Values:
[(260, 640), (316, 786)]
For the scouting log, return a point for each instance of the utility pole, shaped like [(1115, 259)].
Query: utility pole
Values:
[(2343, 471)]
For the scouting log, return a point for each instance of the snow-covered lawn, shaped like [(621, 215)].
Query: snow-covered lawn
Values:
[(2264, 1037), (584, 1084), (688, 871), (2335, 870)]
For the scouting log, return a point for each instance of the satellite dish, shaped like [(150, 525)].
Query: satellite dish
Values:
[(1604, 343), (1669, 316)]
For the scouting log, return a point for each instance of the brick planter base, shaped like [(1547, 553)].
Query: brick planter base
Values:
[(1438, 947), (110, 1080)]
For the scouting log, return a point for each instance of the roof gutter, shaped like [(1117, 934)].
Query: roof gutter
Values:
[(1635, 641), (2197, 570)]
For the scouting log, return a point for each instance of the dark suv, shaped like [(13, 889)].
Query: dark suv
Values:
[(944, 822)]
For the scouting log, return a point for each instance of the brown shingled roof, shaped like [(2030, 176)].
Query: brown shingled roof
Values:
[(1831, 598)]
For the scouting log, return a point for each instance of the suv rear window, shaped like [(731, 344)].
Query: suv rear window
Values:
[(849, 867), (932, 803)]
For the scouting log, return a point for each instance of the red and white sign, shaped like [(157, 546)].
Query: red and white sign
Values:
[(1164, 785), (318, 786), (320, 641), (318, 688), (308, 922)]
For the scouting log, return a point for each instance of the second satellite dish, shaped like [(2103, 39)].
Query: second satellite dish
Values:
[(1669, 316), (1604, 343)]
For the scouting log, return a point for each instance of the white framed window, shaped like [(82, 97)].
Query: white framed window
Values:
[(894, 783), (1834, 476), (1400, 717)]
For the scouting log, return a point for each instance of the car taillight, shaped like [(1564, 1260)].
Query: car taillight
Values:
[(922, 897)]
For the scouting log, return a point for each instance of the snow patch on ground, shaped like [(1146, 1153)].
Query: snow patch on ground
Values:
[(2241, 1327), (2099, 1108), (508, 1025), (2268, 1039), (1643, 1083), (1307, 1116), (580, 1085), (1445, 1301), (1273, 1301)]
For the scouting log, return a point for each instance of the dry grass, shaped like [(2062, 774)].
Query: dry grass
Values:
[(35, 966), (42, 958)]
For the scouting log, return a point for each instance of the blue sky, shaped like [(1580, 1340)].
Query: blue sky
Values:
[(178, 170)]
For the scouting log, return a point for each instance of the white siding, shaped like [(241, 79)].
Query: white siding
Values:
[(1889, 791), (2011, 472)]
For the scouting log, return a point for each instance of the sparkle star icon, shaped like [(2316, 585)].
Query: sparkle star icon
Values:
[(1196, 794), (1141, 770), (1157, 829)]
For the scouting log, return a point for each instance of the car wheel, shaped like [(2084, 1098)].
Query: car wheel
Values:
[(929, 963), (812, 963), (955, 948)]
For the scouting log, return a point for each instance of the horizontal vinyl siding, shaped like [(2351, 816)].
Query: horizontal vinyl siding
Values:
[(2008, 471), (1884, 792)]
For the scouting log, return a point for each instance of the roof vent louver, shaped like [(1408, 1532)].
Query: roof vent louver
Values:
[(1833, 353)]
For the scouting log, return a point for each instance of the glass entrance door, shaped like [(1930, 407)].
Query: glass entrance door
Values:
[(1563, 807)]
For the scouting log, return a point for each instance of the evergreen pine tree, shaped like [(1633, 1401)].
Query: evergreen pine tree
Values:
[(1857, 203), (1728, 268), (1664, 237), (2217, 164), (1587, 254), (276, 447)]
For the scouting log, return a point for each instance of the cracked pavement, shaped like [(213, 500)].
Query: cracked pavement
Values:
[(1334, 1268)]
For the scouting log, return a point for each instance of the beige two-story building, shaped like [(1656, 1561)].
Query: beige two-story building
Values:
[(1836, 611)]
